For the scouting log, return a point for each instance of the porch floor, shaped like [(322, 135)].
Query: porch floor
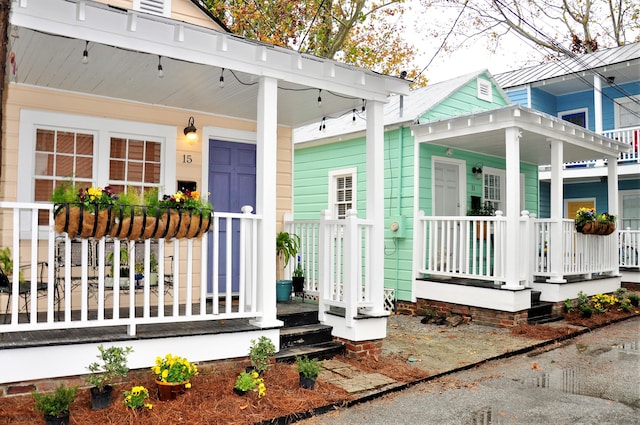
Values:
[(108, 334)]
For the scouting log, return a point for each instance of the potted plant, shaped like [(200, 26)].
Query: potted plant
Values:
[(112, 364), (298, 278), (124, 267), (153, 271), (484, 210), (55, 406), (249, 381), (173, 375), (136, 397), (189, 211), (261, 353), (6, 262), (308, 369), (287, 245), (83, 212)]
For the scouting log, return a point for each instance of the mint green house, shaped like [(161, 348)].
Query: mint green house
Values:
[(451, 150)]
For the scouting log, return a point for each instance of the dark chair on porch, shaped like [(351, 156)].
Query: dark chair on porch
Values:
[(24, 288)]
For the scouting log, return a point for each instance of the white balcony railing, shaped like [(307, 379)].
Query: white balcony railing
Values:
[(309, 232), (63, 283), (629, 135), (629, 249)]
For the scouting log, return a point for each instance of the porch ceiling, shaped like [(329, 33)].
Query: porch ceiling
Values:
[(484, 133), (48, 39)]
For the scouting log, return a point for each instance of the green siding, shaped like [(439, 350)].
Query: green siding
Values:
[(313, 164)]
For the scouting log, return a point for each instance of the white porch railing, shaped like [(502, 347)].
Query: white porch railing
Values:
[(581, 254), (629, 248), (470, 247), (74, 291), (309, 232)]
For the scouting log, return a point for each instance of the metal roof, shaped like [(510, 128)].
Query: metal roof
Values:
[(400, 110), (622, 62)]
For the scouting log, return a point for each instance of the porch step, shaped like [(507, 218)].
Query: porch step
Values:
[(305, 335), (298, 318), (541, 313), (322, 351), (535, 297)]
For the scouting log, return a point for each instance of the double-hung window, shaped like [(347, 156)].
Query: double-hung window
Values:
[(342, 192)]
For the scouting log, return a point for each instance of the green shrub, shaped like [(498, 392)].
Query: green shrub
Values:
[(309, 368), (57, 403)]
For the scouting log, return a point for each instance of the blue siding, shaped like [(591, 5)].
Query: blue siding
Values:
[(578, 101), (599, 190), (519, 96), (544, 206), (543, 101)]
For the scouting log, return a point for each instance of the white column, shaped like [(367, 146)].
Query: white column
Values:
[(266, 164), (555, 245), (597, 103), (512, 242), (375, 200), (613, 202)]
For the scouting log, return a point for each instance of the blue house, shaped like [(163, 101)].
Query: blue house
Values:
[(601, 92)]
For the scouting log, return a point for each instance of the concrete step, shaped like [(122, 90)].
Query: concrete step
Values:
[(305, 335), (322, 351)]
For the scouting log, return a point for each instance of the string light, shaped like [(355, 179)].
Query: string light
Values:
[(160, 70), (354, 116), (222, 78), (85, 54), (319, 98), (363, 105), (323, 125)]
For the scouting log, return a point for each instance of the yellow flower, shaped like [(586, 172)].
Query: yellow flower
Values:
[(187, 385), (149, 406), (165, 373)]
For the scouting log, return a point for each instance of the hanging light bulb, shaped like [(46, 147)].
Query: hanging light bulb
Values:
[(319, 98), (85, 54), (354, 117), (160, 70), (322, 125), (222, 78), (363, 105)]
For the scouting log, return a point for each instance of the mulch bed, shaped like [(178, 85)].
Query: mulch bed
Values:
[(211, 400), (555, 331)]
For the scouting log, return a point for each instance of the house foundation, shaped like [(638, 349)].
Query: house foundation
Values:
[(361, 348)]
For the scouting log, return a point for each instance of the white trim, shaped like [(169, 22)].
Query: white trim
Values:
[(147, 6), (332, 175), (503, 181), (575, 111), (103, 128), (621, 195), (484, 89), (462, 181), (616, 107)]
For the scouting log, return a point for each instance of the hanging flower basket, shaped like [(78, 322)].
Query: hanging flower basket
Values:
[(77, 220), (589, 223), (595, 228)]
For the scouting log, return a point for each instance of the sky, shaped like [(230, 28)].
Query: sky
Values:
[(513, 54)]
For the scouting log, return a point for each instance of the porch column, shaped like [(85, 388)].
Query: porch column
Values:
[(375, 200), (613, 199), (512, 241), (597, 103), (266, 164), (555, 244)]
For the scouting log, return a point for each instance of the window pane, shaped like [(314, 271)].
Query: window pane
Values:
[(152, 173), (43, 190), (136, 150), (43, 164), (118, 148), (44, 140), (65, 142), (84, 144), (153, 151), (116, 170), (134, 172), (64, 166), (84, 167)]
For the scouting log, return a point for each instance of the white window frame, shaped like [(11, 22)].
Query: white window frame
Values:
[(103, 129), (485, 91), (616, 108), (333, 187), (576, 111), (503, 192)]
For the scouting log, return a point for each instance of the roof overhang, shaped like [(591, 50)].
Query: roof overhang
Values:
[(48, 38), (484, 133)]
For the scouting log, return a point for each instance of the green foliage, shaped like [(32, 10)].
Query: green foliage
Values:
[(299, 271), (136, 398), (585, 310), (287, 245), (485, 210), (261, 353), (625, 305), (64, 192), (112, 365), (309, 368), (568, 306), (634, 298), (6, 260), (57, 403), (124, 260)]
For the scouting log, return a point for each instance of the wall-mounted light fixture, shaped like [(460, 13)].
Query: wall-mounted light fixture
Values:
[(449, 152), (477, 171), (190, 130)]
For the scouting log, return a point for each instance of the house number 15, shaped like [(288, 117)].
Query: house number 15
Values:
[(187, 159)]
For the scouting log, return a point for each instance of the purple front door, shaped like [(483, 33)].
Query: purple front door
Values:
[(232, 182)]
